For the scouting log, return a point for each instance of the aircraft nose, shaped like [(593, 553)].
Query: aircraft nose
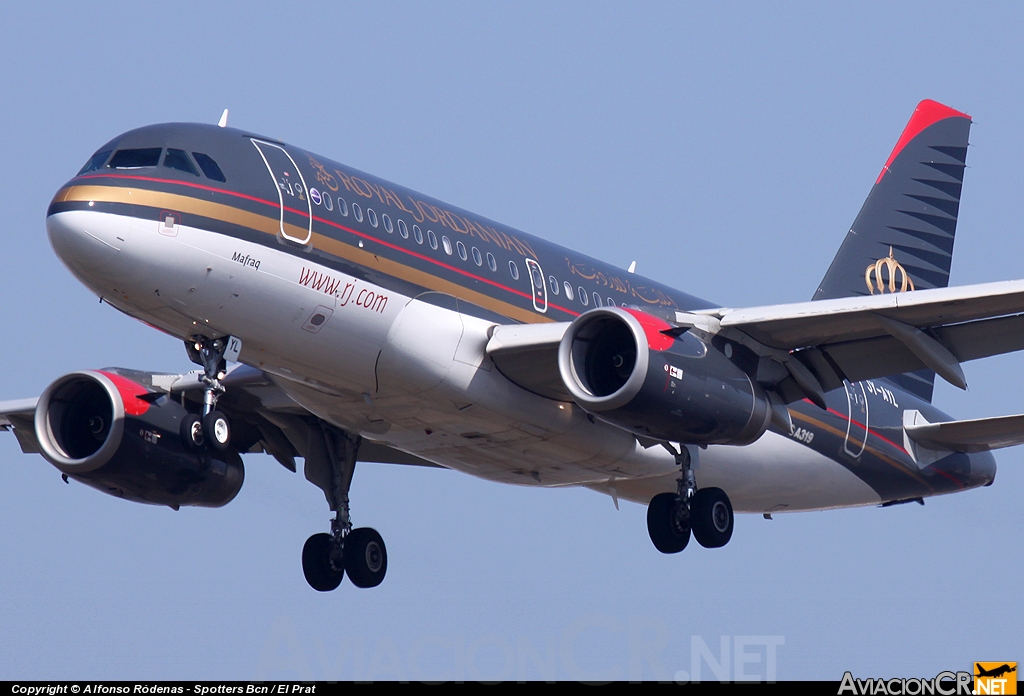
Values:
[(88, 242)]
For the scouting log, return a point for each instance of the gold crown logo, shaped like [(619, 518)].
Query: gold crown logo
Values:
[(887, 275)]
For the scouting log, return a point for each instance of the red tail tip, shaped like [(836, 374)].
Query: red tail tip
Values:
[(927, 113)]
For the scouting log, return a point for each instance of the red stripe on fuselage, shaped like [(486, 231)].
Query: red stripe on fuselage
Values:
[(863, 427), (278, 206)]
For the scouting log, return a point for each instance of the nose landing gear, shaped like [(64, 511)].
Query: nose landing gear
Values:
[(213, 428), (706, 513)]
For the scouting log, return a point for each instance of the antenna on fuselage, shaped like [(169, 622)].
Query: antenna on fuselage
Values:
[(223, 119), (632, 268)]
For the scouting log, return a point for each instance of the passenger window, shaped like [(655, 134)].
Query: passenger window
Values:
[(388, 227), (135, 159), (371, 216), (342, 207), (491, 263), (553, 282), (328, 203), (95, 162), (403, 229), (417, 234), (568, 290), (357, 212), (462, 250), (477, 258), (431, 238), (583, 296), (597, 299), (209, 167), (177, 159), (513, 269), (611, 302), (447, 245)]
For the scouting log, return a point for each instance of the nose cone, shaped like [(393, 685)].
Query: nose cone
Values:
[(89, 243)]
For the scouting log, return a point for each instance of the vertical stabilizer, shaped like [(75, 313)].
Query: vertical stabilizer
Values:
[(902, 239)]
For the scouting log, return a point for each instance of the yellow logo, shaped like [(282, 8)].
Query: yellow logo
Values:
[(887, 275), (995, 677)]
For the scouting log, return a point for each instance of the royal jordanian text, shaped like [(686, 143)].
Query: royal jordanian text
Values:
[(943, 684)]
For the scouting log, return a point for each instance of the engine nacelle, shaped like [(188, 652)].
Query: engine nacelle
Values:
[(94, 427), (619, 366)]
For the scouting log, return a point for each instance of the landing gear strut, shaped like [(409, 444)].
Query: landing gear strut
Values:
[(213, 428), (361, 553), (706, 513)]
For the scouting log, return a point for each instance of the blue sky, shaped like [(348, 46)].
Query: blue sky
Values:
[(726, 147)]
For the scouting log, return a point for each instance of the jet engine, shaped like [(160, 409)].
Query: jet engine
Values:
[(643, 374), (114, 434)]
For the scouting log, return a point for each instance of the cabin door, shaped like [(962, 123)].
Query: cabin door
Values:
[(857, 425), (296, 211)]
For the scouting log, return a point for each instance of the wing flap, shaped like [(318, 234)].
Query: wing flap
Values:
[(886, 355)]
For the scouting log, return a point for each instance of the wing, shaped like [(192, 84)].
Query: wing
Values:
[(811, 347), (19, 416), (808, 348), (527, 354)]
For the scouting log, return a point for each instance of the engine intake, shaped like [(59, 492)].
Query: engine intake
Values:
[(95, 427), (620, 365)]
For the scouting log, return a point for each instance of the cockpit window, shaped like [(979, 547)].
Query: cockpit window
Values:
[(95, 162), (135, 158), (209, 167), (177, 159)]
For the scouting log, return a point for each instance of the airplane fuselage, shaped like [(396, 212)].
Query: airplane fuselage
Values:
[(371, 306)]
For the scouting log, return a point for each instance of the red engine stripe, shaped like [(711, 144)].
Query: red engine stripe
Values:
[(130, 392)]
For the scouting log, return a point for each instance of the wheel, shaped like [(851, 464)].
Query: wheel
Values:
[(316, 564), (711, 517), (192, 432), (216, 430), (366, 558), (668, 523)]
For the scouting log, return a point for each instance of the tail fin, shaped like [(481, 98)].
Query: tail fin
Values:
[(902, 238)]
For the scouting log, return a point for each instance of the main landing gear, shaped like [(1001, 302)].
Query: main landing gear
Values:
[(361, 553), (706, 513), (212, 428)]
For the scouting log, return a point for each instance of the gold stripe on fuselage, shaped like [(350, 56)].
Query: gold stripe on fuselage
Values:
[(271, 226)]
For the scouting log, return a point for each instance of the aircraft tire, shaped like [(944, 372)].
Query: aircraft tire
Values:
[(366, 557), (711, 517), (217, 430), (316, 564), (191, 431), (667, 523)]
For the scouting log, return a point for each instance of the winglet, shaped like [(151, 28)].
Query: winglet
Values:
[(223, 119)]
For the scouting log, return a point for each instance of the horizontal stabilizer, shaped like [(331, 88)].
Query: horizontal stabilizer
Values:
[(978, 435)]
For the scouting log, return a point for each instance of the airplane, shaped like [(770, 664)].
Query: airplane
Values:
[(995, 671), (339, 318)]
